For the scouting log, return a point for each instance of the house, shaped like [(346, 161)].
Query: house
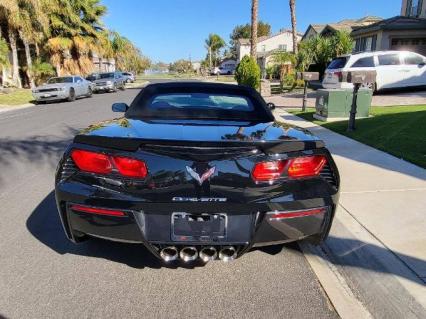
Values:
[(102, 64), (345, 25), (267, 46), (404, 32)]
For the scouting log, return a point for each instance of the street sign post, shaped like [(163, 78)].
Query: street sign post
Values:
[(357, 78), (306, 76)]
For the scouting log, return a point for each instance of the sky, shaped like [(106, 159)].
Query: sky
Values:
[(168, 30)]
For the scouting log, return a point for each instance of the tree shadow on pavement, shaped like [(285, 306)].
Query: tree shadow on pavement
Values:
[(44, 224), (41, 149)]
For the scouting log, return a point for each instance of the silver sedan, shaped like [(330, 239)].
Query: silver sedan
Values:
[(63, 88)]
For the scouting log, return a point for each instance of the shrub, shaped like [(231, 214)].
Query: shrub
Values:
[(248, 72), (41, 71)]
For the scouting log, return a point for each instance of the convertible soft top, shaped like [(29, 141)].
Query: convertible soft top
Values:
[(199, 100)]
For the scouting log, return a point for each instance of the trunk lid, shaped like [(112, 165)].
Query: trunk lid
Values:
[(130, 135)]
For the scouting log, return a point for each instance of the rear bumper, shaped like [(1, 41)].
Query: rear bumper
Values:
[(249, 224), (339, 85)]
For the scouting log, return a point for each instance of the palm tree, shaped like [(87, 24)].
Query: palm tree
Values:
[(75, 28), (284, 60), (254, 9), (213, 44), (292, 4)]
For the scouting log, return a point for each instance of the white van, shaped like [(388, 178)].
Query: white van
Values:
[(395, 69)]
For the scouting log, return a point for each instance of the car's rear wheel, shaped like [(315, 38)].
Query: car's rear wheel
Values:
[(71, 96), (89, 92), (123, 87)]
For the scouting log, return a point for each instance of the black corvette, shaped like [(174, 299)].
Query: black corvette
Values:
[(196, 170)]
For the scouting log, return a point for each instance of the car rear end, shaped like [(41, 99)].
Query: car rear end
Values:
[(191, 180), (333, 76), (150, 196)]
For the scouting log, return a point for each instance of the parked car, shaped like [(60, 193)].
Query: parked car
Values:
[(109, 82), (196, 171), (128, 77), (395, 69), (222, 71), (63, 88)]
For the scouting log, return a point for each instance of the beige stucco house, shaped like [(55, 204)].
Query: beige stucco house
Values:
[(266, 46), (331, 28), (404, 32)]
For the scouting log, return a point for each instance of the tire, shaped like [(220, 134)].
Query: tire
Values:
[(114, 89), (90, 92), (71, 96), (123, 87)]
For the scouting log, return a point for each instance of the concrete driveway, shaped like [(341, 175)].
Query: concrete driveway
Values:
[(294, 99)]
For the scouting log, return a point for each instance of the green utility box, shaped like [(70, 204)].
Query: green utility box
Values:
[(335, 104)]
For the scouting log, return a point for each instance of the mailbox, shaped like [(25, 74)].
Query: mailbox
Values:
[(308, 76), (361, 77)]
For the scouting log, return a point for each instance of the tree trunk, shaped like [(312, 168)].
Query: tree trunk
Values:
[(15, 63), (37, 50), (210, 58), (253, 48), (293, 24), (29, 60)]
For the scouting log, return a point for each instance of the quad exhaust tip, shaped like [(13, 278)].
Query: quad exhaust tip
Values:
[(169, 254), (227, 253), (188, 254), (208, 253)]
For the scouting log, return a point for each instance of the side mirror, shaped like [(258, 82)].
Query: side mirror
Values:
[(271, 106), (119, 107)]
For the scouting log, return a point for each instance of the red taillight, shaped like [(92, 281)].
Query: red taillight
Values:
[(339, 75), (308, 166), (130, 167), (92, 162), (268, 171), (100, 163), (98, 211), (299, 213)]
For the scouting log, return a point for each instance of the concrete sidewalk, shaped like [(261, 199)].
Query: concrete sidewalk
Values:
[(378, 239)]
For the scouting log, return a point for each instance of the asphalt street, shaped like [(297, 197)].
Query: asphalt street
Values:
[(42, 275)]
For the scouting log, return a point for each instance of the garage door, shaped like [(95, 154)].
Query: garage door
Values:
[(410, 44)]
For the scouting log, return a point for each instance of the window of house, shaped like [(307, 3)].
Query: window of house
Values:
[(367, 62), (263, 48), (389, 59), (412, 58), (282, 47), (414, 8)]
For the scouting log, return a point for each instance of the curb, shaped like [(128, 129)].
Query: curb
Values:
[(6, 108), (338, 291)]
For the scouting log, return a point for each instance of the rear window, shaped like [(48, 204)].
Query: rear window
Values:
[(367, 62), (413, 59), (389, 59), (197, 101), (338, 63), (200, 101)]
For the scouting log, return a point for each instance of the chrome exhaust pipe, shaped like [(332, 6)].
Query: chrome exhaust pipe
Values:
[(208, 253), (188, 254), (227, 253), (169, 253)]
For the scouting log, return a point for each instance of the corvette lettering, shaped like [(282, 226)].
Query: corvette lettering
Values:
[(202, 199)]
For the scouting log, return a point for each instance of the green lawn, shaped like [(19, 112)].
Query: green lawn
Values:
[(15, 97), (398, 130)]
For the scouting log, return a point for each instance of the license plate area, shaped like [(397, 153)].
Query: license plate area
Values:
[(198, 227)]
